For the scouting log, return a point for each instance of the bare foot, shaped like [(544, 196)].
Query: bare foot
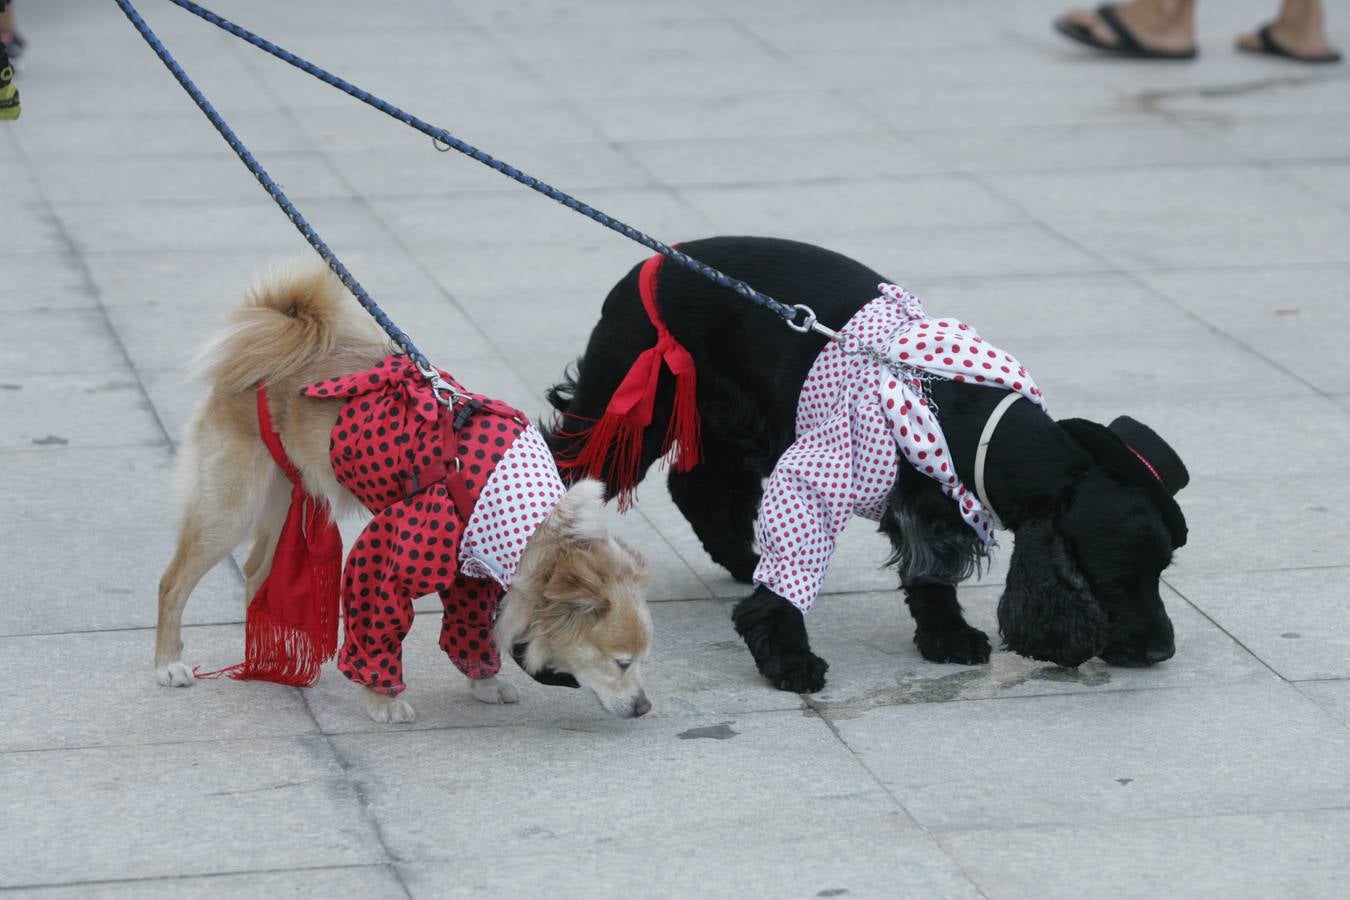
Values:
[(1158, 25)]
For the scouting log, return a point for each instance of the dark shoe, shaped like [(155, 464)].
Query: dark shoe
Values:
[(1271, 47), (1126, 43), (9, 94)]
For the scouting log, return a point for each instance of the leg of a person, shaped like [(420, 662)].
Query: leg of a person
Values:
[(1165, 25), (9, 28), (1299, 28)]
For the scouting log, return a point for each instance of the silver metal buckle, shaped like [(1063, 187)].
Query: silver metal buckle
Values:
[(443, 390)]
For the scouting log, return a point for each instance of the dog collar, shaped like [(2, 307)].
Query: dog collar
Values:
[(982, 451)]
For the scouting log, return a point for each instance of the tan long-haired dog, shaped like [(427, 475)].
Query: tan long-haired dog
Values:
[(576, 604)]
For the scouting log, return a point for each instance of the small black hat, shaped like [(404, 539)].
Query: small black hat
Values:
[(1135, 453)]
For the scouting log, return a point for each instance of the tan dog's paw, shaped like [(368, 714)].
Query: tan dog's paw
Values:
[(490, 690), (175, 674), (388, 710)]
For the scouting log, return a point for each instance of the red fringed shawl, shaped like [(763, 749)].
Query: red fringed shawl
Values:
[(292, 623), (612, 447)]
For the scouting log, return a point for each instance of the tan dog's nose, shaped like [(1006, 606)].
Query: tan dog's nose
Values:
[(641, 706)]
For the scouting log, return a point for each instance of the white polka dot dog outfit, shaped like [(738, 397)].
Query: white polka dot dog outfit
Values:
[(855, 420)]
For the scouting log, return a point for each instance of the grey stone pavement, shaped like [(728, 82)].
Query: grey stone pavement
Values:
[(1167, 240)]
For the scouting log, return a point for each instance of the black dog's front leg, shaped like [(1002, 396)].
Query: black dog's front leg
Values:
[(775, 632), (940, 631)]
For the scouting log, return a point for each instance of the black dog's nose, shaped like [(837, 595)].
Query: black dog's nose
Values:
[(1158, 653)]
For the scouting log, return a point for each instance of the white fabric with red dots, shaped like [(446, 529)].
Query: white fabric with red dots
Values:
[(521, 493), (854, 422)]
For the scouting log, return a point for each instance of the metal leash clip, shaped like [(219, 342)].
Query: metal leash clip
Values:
[(443, 390)]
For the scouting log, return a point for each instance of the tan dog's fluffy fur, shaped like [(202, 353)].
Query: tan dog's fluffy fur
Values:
[(578, 599)]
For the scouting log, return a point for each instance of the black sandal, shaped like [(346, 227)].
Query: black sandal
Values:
[(1271, 47), (1127, 45)]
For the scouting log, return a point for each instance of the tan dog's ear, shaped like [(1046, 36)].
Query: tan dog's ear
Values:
[(571, 600), (639, 562), (569, 585), (580, 514)]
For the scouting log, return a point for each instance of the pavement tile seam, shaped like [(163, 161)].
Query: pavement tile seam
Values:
[(1310, 682), (171, 879), (939, 831), (358, 790), (890, 792)]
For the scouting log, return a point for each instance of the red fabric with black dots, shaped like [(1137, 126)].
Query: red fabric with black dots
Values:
[(855, 421), (389, 431)]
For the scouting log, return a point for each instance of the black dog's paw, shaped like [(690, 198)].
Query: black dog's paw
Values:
[(963, 644), (775, 633), (800, 673)]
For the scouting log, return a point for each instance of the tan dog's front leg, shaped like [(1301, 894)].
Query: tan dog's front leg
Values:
[(490, 690)]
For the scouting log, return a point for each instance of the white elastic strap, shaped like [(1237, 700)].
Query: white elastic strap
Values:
[(982, 451)]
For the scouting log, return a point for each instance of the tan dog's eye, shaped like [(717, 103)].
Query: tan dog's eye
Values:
[(623, 664)]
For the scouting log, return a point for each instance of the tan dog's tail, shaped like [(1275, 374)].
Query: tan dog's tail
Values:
[(292, 317)]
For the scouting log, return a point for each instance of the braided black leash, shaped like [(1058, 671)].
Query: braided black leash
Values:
[(799, 317), (274, 190)]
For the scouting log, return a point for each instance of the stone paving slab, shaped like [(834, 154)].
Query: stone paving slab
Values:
[(660, 790), (64, 582), (73, 341), (1275, 535), (870, 860), (1192, 856), (1147, 755), (1297, 621), (303, 176), (43, 281), (178, 809), (1199, 242), (94, 709), (917, 256)]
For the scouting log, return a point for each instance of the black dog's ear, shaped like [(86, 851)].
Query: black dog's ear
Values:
[(1047, 610)]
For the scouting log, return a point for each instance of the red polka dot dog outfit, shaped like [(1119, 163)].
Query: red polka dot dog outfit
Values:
[(854, 422), (456, 494)]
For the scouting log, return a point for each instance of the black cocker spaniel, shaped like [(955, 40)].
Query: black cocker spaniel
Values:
[(1091, 507)]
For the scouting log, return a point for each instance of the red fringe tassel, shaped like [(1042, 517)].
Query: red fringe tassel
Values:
[(611, 448)]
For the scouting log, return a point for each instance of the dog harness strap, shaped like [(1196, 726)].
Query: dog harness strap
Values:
[(452, 512), (982, 451), (291, 624), (272, 439), (611, 449)]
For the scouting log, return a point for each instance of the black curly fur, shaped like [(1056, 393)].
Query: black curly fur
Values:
[(775, 632), (1047, 610), (750, 373)]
